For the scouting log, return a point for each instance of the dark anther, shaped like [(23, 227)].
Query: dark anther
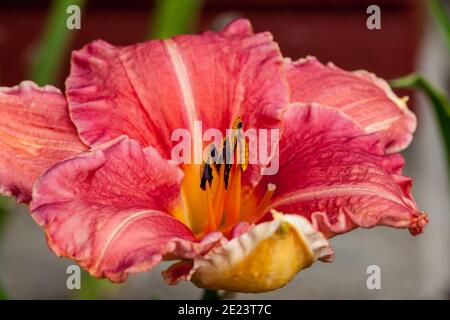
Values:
[(207, 176), (229, 146), (227, 154)]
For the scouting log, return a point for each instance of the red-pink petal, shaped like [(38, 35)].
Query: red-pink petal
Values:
[(366, 98), (35, 133), (147, 90), (179, 271), (107, 209), (337, 176)]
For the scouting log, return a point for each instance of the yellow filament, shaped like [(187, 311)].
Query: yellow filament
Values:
[(212, 226), (263, 205), (233, 198), (253, 208), (220, 196)]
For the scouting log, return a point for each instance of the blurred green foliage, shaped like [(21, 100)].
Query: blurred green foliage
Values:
[(440, 15), (53, 47), (437, 98), (439, 101), (5, 204), (93, 288), (174, 17), (3, 295)]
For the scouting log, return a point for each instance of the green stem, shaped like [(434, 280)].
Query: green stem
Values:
[(438, 99), (210, 295), (174, 17), (54, 44)]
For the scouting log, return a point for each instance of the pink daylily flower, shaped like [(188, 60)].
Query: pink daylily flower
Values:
[(95, 165)]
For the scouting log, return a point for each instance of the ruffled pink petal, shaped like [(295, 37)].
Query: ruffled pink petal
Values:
[(337, 176), (35, 133), (364, 97), (179, 271), (150, 89), (107, 209)]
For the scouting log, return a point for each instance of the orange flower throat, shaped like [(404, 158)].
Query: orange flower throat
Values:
[(213, 197)]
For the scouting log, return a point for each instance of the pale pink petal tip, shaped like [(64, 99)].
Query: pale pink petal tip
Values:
[(239, 27), (418, 224)]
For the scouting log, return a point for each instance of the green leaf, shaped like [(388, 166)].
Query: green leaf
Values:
[(174, 17), (440, 15), (4, 211), (3, 295), (438, 99), (93, 288), (54, 44)]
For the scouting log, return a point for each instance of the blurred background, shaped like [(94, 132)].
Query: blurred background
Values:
[(35, 44)]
